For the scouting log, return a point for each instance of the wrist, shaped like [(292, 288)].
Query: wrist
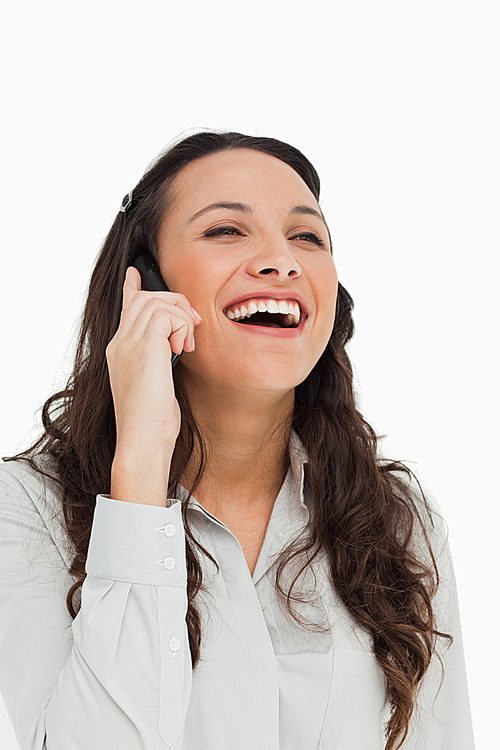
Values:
[(140, 479)]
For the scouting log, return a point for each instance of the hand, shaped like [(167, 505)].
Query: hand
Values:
[(152, 326)]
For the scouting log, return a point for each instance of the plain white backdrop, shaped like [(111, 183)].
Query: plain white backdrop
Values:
[(396, 104)]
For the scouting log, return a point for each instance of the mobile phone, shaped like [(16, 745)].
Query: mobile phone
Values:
[(151, 281)]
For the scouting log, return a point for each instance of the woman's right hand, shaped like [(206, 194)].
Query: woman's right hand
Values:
[(152, 326)]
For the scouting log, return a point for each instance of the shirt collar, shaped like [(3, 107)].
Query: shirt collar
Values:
[(298, 459), (290, 515)]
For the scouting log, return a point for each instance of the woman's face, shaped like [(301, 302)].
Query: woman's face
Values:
[(244, 234)]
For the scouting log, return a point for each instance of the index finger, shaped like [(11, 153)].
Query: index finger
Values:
[(131, 285)]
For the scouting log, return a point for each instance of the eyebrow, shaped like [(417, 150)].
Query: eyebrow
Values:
[(224, 204), (245, 208), (308, 211)]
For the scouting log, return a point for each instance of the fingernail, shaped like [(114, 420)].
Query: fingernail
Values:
[(197, 314), (191, 340)]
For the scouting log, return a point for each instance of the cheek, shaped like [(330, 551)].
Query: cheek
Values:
[(327, 298), (197, 275), (188, 277), (333, 307)]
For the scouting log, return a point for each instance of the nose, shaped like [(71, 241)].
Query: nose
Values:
[(276, 261)]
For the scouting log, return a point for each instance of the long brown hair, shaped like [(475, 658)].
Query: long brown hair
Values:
[(365, 513)]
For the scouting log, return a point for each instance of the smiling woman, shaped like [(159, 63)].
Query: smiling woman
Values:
[(232, 563)]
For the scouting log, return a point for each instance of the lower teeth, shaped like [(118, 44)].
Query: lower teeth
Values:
[(283, 320), (283, 323)]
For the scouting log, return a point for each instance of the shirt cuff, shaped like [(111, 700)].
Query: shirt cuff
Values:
[(137, 543)]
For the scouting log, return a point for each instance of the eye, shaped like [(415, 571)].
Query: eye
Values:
[(218, 231), (309, 237)]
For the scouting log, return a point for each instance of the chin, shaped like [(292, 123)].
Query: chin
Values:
[(246, 370), (259, 380)]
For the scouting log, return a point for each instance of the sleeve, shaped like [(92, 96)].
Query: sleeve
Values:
[(118, 676), (442, 717)]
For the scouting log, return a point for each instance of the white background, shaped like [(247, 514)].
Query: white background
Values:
[(397, 105)]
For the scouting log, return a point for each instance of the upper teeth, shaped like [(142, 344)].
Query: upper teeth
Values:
[(289, 308)]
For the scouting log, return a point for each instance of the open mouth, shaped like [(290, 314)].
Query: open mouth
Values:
[(267, 313), (269, 320)]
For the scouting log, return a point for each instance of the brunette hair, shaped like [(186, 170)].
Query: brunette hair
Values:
[(366, 513)]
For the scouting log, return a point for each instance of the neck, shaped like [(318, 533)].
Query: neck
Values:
[(247, 439)]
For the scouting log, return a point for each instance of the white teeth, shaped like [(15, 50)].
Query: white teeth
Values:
[(290, 310)]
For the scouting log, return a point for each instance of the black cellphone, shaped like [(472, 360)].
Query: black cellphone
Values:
[(151, 281)]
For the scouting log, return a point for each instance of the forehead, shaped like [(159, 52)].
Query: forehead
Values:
[(243, 175)]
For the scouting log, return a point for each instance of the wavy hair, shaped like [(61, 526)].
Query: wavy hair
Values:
[(365, 512)]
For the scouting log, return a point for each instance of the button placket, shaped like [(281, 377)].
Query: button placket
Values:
[(174, 645)]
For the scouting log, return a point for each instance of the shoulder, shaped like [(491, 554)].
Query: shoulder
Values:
[(430, 546), (21, 479), (428, 524), (29, 497)]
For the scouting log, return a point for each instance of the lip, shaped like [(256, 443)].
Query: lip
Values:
[(279, 333), (273, 294), (278, 294)]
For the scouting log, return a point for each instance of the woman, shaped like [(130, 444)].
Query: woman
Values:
[(254, 575)]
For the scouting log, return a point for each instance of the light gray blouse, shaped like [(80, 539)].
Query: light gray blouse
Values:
[(119, 676)]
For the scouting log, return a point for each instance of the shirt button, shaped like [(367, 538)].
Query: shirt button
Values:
[(168, 563), (262, 606), (169, 529), (174, 644)]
